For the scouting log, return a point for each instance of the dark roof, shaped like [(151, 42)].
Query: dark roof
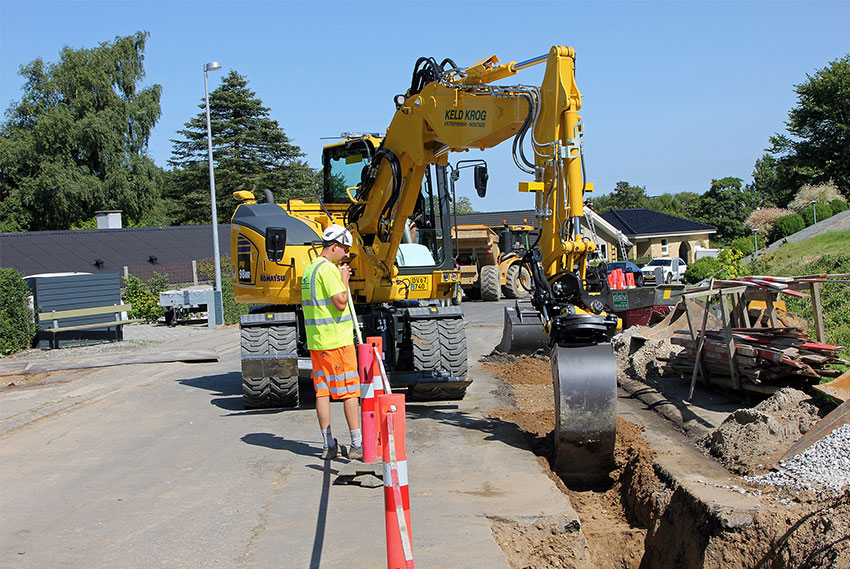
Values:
[(635, 222), (37, 252)]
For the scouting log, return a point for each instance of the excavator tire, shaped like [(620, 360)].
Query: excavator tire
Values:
[(517, 282), (439, 345), (491, 289), (585, 382), (269, 392)]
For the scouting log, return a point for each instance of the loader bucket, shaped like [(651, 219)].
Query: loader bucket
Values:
[(523, 330)]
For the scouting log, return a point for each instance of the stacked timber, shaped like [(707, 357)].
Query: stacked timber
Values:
[(773, 356)]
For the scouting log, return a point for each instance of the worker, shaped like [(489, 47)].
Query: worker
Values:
[(330, 339)]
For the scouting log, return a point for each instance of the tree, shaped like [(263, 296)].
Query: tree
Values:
[(818, 148), (624, 196), (77, 141), (769, 182), (250, 152), (726, 205), (462, 205)]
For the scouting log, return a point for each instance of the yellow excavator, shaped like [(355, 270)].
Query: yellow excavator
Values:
[(394, 192)]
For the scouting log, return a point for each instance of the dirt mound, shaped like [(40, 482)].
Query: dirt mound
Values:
[(642, 360), (752, 439)]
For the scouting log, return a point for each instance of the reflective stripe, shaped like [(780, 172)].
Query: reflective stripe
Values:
[(402, 473), (343, 376), (367, 390), (318, 373), (320, 302), (323, 321), (344, 389), (320, 385)]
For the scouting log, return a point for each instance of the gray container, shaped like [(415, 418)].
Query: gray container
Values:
[(68, 291)]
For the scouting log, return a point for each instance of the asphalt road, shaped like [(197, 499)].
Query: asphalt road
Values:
[(158, 465)]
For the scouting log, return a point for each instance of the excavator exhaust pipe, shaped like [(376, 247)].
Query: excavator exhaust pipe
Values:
[(523, 330)]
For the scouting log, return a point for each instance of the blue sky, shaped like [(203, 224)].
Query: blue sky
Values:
[(675, 93)]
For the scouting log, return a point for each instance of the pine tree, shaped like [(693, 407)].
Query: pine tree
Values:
[(250, 152)]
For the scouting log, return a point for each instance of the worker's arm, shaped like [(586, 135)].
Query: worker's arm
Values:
[(340, 299)]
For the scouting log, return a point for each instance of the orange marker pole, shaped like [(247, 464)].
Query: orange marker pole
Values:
[(396, 493), (365, 363)]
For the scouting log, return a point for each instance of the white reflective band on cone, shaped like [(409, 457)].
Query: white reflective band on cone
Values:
[(402, 474), (367, 390)]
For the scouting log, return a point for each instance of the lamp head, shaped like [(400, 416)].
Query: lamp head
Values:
[(212, 66)]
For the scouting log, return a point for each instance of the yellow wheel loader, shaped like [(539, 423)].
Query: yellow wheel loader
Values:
[(393, 193), (490, 264)]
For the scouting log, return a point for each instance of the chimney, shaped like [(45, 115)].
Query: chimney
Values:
[(108, 219)]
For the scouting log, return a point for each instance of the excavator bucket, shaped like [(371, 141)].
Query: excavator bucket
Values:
[(585, 379), (523, 330)]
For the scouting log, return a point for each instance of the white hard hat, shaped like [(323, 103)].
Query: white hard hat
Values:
[(339, 234)]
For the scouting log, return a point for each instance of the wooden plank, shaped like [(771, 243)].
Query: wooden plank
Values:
[(815, 289), (838, 389), (838, 417), (77, 312), (90, 326), (729, 341)]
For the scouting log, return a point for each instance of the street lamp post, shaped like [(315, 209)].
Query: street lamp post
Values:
[(814, 211), (212, 66), (756, 241)]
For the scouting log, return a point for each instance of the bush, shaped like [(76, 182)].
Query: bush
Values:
[(746, 245), (702, 269), (232, 309), (144, 296), (787, 225), (764, 219), (838, 205), (821, 193), (17, 324), (823, 211)]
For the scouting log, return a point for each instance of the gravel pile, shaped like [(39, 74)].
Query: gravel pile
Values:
[(824, 466)]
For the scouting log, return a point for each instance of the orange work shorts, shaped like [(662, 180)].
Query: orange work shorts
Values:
[(335, 372)]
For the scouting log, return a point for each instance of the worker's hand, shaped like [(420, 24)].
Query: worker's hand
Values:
[(345, 272)]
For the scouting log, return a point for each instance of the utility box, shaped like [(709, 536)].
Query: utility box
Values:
[(69, 291)]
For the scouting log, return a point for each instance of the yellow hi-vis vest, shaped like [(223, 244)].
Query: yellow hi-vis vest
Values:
[(327, 328)]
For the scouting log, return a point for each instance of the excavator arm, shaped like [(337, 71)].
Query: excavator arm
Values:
[(449, 109)]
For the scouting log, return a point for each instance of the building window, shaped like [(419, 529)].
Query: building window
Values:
[(665, 250)]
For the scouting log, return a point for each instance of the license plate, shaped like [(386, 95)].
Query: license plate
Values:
[(418, 283)]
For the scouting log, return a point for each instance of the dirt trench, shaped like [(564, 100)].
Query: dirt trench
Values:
[(647, 516)]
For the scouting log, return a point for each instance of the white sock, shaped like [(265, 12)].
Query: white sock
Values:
[(356, 438), (330, 442)]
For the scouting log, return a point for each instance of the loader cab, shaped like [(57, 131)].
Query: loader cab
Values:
[(343, 164)]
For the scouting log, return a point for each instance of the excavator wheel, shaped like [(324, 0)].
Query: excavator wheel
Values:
[(269, 392), (522, 332), (585, 381), (439, 344)]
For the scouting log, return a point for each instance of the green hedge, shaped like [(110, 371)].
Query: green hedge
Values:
[(17, 324), (823, 210), (144, 296), (746, 245), (701, 269), (787, 225), (838, 206)]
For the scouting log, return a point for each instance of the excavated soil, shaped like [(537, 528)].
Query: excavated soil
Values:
[(645, 518)]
